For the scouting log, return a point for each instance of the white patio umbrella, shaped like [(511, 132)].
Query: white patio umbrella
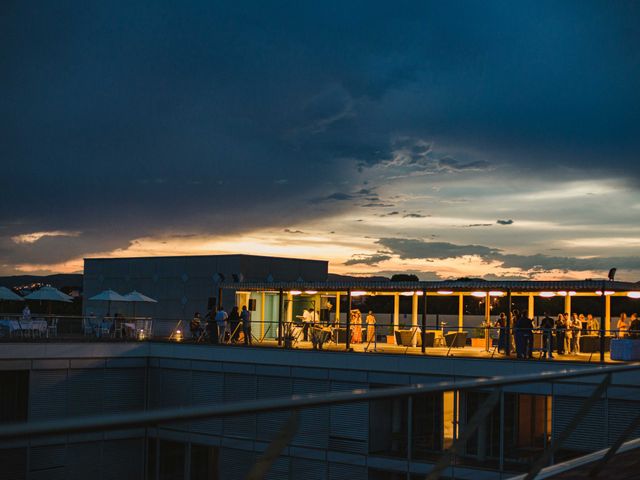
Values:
[(7, 294), (49, 294), (108, 296), (137, 297)]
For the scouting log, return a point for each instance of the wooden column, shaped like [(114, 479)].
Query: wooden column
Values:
[(263, 298), (567, 304), (487, 321), (396, 311), (424, 320), (460, 312)]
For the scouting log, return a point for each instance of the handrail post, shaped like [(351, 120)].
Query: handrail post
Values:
[(280, 308), (602, 320), (348, 332), (507, 346), (424, 320)]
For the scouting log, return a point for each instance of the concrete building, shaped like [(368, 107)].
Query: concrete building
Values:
[(186, 284), (395, 438), (386, 439)]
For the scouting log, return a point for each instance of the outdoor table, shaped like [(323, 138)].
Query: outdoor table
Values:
[(24, 325)]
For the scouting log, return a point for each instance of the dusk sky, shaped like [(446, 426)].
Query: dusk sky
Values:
[(493, 139)]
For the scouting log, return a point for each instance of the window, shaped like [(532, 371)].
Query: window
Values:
[(388, 426), (204, 462), (14, 395), (172, 457), (427, 425)]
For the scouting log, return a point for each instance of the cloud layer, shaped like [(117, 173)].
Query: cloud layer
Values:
[(215, 119)]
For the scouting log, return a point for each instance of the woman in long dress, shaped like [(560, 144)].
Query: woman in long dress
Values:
[(371, 327), (356, 326), (623, 325)]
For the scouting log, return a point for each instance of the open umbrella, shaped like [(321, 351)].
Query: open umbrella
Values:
[(137, 297), (6, 294), (108, 296), (49, 294)]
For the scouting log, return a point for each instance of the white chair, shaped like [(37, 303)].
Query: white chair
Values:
[(87, 327), (52, 328)]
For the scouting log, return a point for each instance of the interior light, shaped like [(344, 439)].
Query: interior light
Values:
[(358, 293), (311, 292), (633, 294), (445, 292), (497, 293), (295, 292), (419, 292), (478, 294), (547, 294), (572, 293), (407, 294), (562, 293), (606, 292)]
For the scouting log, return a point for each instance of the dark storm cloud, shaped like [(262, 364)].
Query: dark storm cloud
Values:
[(415, 249), (365, 259), (151, 118), (410, 249)]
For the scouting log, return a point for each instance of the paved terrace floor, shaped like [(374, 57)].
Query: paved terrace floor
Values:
[(465, 352)]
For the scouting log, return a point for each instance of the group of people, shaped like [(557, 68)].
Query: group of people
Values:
[(567, 328), (310, 328), (222, 327), (628, 326)]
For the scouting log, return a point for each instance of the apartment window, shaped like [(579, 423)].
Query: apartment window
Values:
[(172, 457), (14, 395), (527, 427), (388, 426), (204, 462), (427, 425)]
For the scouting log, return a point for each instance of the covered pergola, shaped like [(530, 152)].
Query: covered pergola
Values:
[(421, 291)]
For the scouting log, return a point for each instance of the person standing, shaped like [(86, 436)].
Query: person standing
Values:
[(222, 323), (547, 331), (245, 316), (212, 327), (195, 326), (356, 326), (518, 328), (234, 324), (623, 325), (371, 327), (634, 326), (561, 329), (26, 313), (501, 323), (593, 325), (306, 320), (576, 331)]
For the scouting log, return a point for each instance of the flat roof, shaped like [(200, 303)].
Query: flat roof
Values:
[(459, 286)]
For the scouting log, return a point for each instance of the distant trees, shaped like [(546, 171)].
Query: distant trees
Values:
[(404, 277)]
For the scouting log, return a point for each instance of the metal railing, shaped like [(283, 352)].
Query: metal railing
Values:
[(601, 380), (429, 338)]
